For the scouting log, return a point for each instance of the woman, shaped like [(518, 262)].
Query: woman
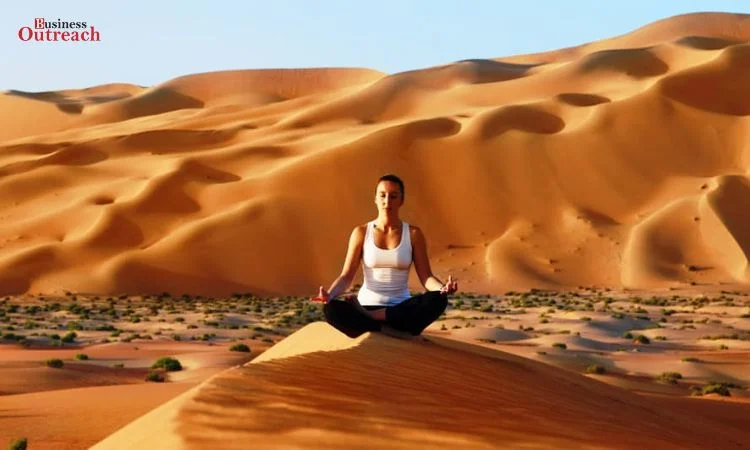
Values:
[(387, 246)]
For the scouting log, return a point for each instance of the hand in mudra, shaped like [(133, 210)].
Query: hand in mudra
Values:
[(450, 287), (323, 296)]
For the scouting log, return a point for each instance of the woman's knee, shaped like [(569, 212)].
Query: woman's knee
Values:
[(438, 297), (330, 311), (437, 301)]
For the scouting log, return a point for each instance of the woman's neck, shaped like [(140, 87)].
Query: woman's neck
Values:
[(388, 222)]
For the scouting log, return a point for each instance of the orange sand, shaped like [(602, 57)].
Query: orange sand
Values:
[(622, 162), (320, 389)]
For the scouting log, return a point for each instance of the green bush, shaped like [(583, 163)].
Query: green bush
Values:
[(155, 377), (641, 339), (70, 337), (82, 357), (55, 363), (627, 335), (560, 345), (595, 368), (719, 388), (240, 348), (167, 363), (19, 444), (690, 359), (669, 377)]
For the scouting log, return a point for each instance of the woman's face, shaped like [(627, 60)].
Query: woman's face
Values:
[(388, 197)]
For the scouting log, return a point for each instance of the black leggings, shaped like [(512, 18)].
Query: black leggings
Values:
[(412, 315)]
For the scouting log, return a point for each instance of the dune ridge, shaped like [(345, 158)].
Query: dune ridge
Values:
[(318, 387), (620, 163)]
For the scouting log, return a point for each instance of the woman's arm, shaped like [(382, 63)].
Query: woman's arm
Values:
[(422, 262), (351, 263)]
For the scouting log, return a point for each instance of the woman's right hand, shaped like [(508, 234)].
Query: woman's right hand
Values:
[(323, 296)]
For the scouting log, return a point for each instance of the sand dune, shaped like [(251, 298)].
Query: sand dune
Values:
[(622, 163), (318, 387), (704, 31), (619, 163)]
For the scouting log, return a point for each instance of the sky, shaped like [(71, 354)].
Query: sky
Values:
[(150, 42)]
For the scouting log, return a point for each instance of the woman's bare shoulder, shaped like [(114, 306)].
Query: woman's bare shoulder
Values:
[(360, 230)]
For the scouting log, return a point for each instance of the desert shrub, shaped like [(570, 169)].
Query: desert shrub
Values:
[(240, 348), (669, 377), (716, 388), (82, 357), (118, 365), (595, 368), (18, 444), (641, 339), (660, 338), (55, 363), (70, 337), (155, 377), (167, 363), (627, 335), (690, 359), (560, 345)]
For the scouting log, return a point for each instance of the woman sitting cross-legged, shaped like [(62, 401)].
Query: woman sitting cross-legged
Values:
[(387, 246)]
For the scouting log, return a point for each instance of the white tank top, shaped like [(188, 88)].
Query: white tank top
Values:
[(386, 271)]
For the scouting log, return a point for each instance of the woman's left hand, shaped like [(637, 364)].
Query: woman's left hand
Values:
[(450, 287)]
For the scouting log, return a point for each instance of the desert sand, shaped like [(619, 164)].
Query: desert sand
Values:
[(617, 163), (598, 198)]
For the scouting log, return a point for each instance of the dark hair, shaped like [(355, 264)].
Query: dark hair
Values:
[(394, 179)]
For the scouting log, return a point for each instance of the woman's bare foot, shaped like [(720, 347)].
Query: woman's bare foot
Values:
[(377, 314)]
